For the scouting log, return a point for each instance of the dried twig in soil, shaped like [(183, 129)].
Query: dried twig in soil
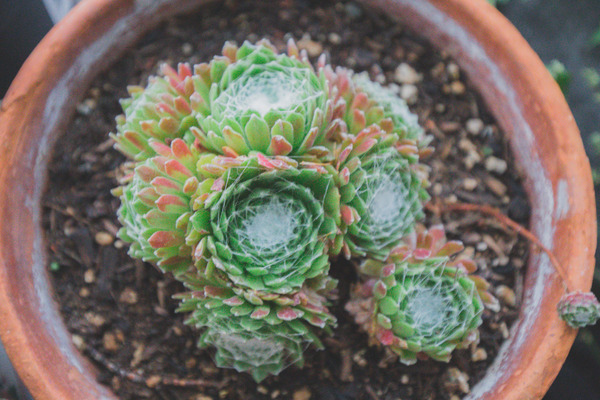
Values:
[(438, 207)]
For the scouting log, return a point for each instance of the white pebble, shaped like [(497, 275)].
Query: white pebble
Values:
[(495, 164), (409, 93), (406, 74), (474, 126)]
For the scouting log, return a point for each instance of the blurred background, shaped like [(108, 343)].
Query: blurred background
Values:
[(566, 35)]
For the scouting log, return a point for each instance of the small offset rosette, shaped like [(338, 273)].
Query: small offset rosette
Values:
[(579, 309), (422, 303), (254, 99), (156, 206), (161, 111)]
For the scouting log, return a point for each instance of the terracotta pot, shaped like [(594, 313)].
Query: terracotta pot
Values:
[(498, 61)]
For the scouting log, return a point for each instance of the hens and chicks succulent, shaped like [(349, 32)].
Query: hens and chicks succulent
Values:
[(251, 172)]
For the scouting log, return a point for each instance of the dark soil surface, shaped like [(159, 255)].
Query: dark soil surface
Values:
[(120, 309)]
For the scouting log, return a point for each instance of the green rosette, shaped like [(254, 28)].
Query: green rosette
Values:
[(255, 100), (246, 325), (156, 206), (382, 191), (161, 111), (421, 302), (265, 223)]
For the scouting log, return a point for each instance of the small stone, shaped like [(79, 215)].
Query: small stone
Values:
[(86, 107), (359, 358), (453, 71), (404, 379), (109, 341), (479, 354), (504, 330), (153, 381), (474, 126), (314, 49), (496, 186), (470, 184), (457, 88), (275, 394), (302, 394), (137, 355), (506, 295), (334, 38), (128, 296), (406, 74), (438, 70), (457, 380), (437, 189), (223, 393), (89, 276), (494, 164), (94, 319), (201, 397), (261, 389), (191, 363), (187, 49), (84, 292), (119, 244), (482, 246), (440, 108), (409, 93), (78, 342), (104, 238)]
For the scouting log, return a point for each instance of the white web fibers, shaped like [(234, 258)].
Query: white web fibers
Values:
[(386, 199), (269, 227), (246, 351), (265, 90), (389, 202), (249, 350), (435, 305), (393, 105)]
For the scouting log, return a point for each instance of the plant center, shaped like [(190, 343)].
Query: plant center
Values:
[(270, 225), (428, 308), (386, 199), (263, 92)]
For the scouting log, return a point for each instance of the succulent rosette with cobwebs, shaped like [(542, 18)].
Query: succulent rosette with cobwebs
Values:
[(161, 112), (422, 302), (254, 99)]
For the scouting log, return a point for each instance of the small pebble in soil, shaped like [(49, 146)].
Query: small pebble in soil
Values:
[(496, 165), (302, 394)]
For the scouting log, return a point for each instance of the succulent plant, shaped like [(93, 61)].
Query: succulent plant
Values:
[(161, 111), (382, 189), (421, 303), (579, 309), (156, 206), (366, 103), (264, 222), (254, 99), (253, 331)]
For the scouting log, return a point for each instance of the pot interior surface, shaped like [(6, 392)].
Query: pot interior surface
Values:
[(509, 76)]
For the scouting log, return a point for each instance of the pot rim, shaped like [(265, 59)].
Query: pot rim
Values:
[(36, 342)]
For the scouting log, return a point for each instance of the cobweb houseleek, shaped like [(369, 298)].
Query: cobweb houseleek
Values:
[(420, 302), (254, 99)]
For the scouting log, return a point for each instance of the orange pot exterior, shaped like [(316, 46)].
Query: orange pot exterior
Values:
[(499, 63)]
